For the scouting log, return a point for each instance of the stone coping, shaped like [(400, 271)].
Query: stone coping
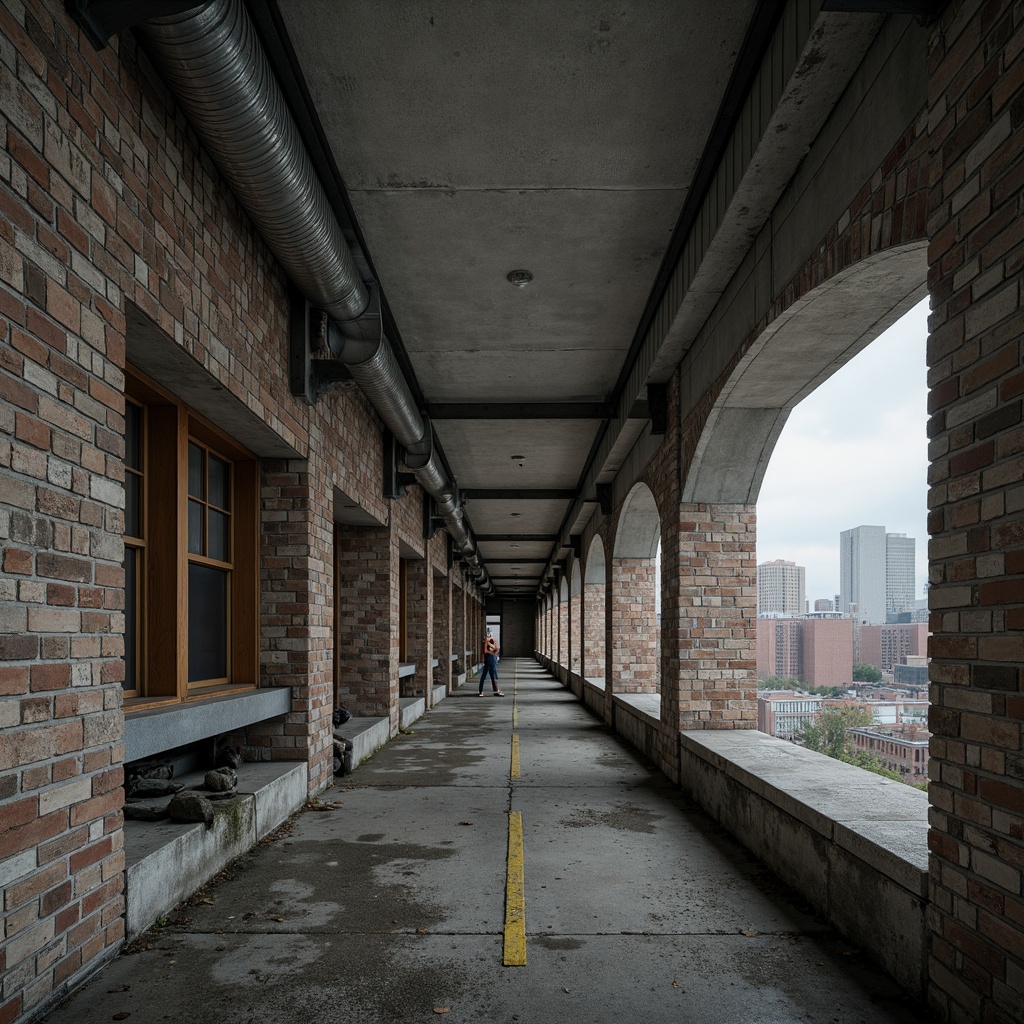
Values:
[(410, 709), (406, 668), (646, 704), (154, 731), (881, 821)]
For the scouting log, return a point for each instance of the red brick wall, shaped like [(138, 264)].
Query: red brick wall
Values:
[(419, 626), (976, 92), (633, 636), (575, 631), (718, 586), (442, 605), (593, 630)]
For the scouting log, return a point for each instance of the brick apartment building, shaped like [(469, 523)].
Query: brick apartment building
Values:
[(888, 644), (900, 748), (817, 651)]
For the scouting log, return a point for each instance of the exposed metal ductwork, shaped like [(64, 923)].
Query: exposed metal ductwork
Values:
[(211, 59)]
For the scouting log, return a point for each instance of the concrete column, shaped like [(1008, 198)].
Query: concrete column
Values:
[(634, 626)]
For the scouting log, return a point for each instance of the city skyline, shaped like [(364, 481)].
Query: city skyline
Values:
[(854, 451)]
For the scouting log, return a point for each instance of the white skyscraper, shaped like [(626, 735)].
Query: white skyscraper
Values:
[(899, 573), (876, 573), (862, 560), (780, 588)]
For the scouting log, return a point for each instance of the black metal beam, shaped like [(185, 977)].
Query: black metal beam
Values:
[(483, 538), (102, 19), (657, 402), (519, 494), (519, 410)]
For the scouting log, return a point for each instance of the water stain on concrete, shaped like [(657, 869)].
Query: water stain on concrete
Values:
[(624, 818)]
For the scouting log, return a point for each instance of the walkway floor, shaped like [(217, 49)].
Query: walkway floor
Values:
[(391, 906)]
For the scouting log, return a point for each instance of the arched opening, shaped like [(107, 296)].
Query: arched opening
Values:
[(634, 595), (575, 618), (594, 580)]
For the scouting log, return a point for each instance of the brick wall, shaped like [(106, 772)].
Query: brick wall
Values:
[(976, 500), (593, 630), (575, 630), (718, 590), (443, 631), (633, 626)]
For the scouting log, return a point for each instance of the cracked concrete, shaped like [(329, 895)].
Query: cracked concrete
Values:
[(390, 905)]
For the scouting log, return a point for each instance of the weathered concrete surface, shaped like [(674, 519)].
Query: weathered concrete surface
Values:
[(390, 906)]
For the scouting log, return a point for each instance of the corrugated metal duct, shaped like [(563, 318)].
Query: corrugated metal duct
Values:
[(212, 61)]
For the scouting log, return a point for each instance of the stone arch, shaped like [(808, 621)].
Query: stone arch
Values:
[(800, 349), (594, 586), (633, 596)]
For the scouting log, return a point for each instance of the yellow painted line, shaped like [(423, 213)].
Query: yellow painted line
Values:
[(515, 895), (515, 755), (515, 717)]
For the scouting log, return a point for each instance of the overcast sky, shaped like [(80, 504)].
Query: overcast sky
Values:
[(854, 452)]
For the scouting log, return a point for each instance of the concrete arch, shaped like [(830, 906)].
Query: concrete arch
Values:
[(595, 569), (800, 349), (575, 580), (639, 529)]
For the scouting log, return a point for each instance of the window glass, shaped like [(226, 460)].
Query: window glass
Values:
[(195, 528), (132, 436), (207, 623), (217, 538), (131, 617), (219, 483), (132, 505), (195, 471)]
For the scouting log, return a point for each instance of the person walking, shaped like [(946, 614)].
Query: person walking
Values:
[(490, 665)]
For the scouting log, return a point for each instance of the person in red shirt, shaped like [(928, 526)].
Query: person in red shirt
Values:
[(490, 665)]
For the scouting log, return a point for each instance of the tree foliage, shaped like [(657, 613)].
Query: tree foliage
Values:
[(863, 673), (826, 732), (779, 683)]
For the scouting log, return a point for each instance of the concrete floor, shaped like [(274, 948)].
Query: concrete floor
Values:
[(390, 907)]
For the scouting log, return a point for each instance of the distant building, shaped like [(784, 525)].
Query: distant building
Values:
[(780, 648), (862, 572), (817, 651), (876, 573), (823, 604), (784, 713), (827, 652), (911, 671), (899, 574), (900, 748), (780, 588), (888, 644)]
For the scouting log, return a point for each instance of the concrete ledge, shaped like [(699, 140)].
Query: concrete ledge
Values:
[(368, 735), (594, 697), (638, 721), (165, 861), (439, 694), (406, 668), (852, 843), (410, 709), (147, 733)]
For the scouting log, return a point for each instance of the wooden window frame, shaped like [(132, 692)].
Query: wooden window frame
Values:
[(163, 587)]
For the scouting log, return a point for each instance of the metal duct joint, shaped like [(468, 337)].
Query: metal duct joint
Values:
[(212, 61)]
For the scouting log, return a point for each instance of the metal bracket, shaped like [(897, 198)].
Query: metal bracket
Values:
[(101, 19), (432, 522), (394, 485), (576, 543), (604, 498), (312, 371)]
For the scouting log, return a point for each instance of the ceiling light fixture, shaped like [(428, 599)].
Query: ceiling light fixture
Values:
[(520, 278)]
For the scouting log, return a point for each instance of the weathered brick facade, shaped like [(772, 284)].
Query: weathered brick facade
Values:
[(976, 500), (633, 635)]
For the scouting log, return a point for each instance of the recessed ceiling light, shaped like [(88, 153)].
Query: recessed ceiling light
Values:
[(518, 458), (516, 515), (513, 545), (520, 278)]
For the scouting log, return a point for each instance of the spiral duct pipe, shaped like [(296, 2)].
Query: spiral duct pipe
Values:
[(212, 61)]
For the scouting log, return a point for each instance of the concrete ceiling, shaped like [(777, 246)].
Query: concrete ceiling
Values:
[(474, 139)]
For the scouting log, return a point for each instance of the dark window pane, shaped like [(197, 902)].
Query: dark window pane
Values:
[(132, 436), (195, 471), (132, 505), (218, 493), (195, 528), (217, 539), (207, 623), (131, 617)]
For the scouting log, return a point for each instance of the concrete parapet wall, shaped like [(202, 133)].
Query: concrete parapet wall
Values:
[(853, 844)]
